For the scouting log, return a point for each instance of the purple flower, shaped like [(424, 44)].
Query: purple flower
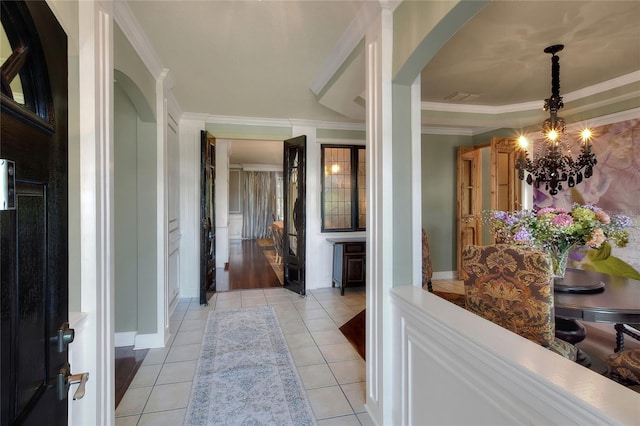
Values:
[(522, 235)]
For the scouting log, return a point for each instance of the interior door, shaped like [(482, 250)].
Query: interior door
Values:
[(469, 211), (505, 185), (33, 217), (207, 215), (294, 214)]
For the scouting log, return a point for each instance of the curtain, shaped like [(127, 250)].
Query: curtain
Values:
[(258, 203)]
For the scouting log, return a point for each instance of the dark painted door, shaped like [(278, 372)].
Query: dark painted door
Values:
[(294, 214), (33, 217), (207, 215)]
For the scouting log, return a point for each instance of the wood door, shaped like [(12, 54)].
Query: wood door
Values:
[(505, 185), (33, 220), (469, 209), (294, 214), (207, 215)]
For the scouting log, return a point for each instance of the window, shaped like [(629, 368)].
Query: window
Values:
[(344, 197)]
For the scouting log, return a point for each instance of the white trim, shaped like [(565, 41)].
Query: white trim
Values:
[(95, 347), (131, 28), (261, 167), (445, 275), (329, 141), (535, 105), (125, 338), (271, 122), (152, 340), (346, 44), (416, 184), (498, 376)]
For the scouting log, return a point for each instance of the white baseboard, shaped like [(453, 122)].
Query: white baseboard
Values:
[(125, 338), (146, 341)]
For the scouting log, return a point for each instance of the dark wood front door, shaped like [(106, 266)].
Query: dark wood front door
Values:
[(294, 214), (207, 215), (33, 216)]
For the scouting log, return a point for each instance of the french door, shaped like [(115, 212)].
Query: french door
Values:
[(294, 214)]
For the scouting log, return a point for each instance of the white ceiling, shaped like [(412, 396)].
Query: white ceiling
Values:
[(260, 58)]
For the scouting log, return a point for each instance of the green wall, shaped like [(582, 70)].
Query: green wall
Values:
[(439, 175), (126, 213)]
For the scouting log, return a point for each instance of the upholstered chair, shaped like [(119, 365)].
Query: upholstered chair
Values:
[(276, 233), (512, 287), (624, 367)]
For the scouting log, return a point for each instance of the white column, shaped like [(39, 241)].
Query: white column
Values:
[(94, 346), (378, 60)]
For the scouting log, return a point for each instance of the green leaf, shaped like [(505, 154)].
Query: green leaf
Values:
[(602, 253), (611, 266)]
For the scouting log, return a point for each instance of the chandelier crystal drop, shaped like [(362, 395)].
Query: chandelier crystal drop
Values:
[(551, 165)]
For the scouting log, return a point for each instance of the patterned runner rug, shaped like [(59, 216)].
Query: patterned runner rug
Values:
[(246, 375)]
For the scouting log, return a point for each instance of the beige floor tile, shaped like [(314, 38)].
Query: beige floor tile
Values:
[(293, 327), (174, 325), (184, 353), (312, 314), (356, 394), (163, 418), (193, 325), (285, 307), (316, 376), (235, 304), (340, 421), (320, 324), (305, 305), (365, 419), (299, 340), (146, 376), (275, 292), (278, 300), (288, 315), (308, 355), (188, 337), (133, 401), (194, 315), (229, 295), (254, 302), (340, 320), (248, 294), (127, 420), (177, 372), (339, 352), (349, 371), (329, 402), (341, 310), (328, 337), (155, 356), (168, 397)]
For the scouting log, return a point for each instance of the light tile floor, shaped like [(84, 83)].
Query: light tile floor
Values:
[(331, 370)]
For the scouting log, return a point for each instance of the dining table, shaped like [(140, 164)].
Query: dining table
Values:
[(598, 297)]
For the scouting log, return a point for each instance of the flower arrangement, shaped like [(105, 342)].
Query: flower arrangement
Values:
[(557, 231)]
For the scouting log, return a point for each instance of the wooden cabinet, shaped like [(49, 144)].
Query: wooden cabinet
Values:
[(349, 262)]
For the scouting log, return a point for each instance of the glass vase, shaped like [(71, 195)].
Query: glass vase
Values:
[(559, 257)]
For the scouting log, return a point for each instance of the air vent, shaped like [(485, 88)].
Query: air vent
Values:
[(461, 96)]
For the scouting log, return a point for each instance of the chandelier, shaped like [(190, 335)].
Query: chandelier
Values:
[(551, 165)]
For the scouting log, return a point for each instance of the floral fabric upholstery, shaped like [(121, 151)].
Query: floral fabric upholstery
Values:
[(512, 287), (624, 367), (427, 273)]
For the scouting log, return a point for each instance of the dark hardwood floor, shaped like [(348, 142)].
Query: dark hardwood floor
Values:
[(127, 363), (248, 269)]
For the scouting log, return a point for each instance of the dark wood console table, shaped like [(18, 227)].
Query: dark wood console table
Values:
[(349, 262)]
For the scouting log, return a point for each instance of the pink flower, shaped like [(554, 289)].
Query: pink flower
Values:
[(562, 220), (545, 210), (603, 217), (597, 238)]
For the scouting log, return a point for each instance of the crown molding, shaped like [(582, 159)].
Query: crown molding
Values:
[(345, 45), (536, 105), (130, 26), (271, 122)]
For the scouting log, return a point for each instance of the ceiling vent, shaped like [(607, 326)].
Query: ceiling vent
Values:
[(461, 97)]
